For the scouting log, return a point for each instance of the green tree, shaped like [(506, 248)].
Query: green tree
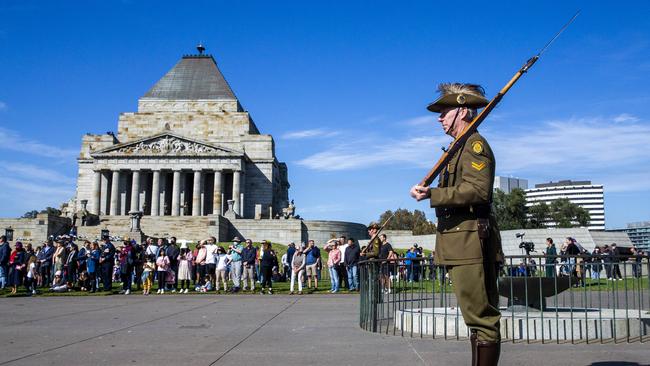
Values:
[(51, 211), (566, 214), (29, 214), (510, 209), (538, 215), (404, 219)]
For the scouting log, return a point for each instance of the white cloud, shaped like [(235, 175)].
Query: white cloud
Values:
[(27, 187), (428, 120), (614, 154), (371, 153), (624, 117), (305, 134), (15, 142)]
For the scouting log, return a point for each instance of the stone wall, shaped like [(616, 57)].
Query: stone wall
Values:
[(322, 231), (36, 230)]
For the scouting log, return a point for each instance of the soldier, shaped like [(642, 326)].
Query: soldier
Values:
[(467, 239)]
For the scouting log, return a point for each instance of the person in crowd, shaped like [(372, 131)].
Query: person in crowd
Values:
[(138, 263), (184, 268), (236, 263), (5, 253), (223, 260), (291, 250), (210, 252), (107, 263), (17, 264), (58, 283), (148, 270), (333, 261), (126, 267), (351, 261), (195, 271), (410, 264), (59, 256), (312, 258), (153, 247), (248, 255), (268, 260), (340, 269), (615, 259), (298, 263), (45, 263), (637, 257), (84, 281), (596, 264), (70, 265), (82, 256), (286, 266), (551, 258), (173, 251), (207, 287), (162, 264), (92, 263), (382, 253), (199, 260), (31, 273)]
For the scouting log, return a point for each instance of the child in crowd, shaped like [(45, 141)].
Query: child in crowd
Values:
[(208, 284), (185, 268), (163, 266), (84, 281), (32, 274), (147, 274), (222, 260)]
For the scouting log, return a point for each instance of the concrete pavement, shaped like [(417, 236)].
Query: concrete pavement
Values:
[(242, 330)]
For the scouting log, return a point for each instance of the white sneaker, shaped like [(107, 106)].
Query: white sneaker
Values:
[(127, 292), (186, 290), (162, 292), (173, 291), (158, 292)]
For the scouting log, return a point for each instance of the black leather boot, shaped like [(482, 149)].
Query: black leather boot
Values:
[(472, 340), (487, 353)]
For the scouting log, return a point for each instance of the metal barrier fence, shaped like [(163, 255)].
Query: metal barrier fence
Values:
[(572, 299)]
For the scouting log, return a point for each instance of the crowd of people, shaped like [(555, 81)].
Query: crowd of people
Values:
[(62, 265)]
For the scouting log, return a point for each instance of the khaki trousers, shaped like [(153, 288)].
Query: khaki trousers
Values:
[(475, 286)]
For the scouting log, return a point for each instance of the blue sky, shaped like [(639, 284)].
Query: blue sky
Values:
[(342, 87)]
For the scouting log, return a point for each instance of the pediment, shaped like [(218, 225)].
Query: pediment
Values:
[(166, 144)]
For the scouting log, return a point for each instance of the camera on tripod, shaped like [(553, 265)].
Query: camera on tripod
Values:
[(528, 246)]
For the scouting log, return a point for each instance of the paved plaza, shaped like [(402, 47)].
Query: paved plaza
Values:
[(242, 330)]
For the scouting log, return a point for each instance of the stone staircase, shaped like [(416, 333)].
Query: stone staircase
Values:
[(190, 228)]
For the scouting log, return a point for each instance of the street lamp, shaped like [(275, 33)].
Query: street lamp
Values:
[(9, 233)]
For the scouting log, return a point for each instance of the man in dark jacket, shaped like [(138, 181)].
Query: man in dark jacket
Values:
[(173, 251), (107, 261), (248, 257), (45, 263), (5, 253), (351, 261)]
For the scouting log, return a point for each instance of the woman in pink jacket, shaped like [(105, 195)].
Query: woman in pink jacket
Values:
[(333, 261)]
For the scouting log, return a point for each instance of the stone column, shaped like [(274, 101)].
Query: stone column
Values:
[(242, 203), (135, 191), (97, 189), (104, 194), (236, 189), (216, 199), (115, 192), (155, 193), (176, 193), (196, 194)]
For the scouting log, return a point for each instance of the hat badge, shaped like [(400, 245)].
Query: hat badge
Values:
[(460, 99)]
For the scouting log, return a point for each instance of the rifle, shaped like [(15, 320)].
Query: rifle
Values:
[(378, 231), (460, 140)]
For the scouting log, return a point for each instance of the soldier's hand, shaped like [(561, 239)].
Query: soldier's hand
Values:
[(419, 192)]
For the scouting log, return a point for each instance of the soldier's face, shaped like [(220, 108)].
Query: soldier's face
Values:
[(452, 120)]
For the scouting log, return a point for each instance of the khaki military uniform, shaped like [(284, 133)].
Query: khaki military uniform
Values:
[(467, 238)]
